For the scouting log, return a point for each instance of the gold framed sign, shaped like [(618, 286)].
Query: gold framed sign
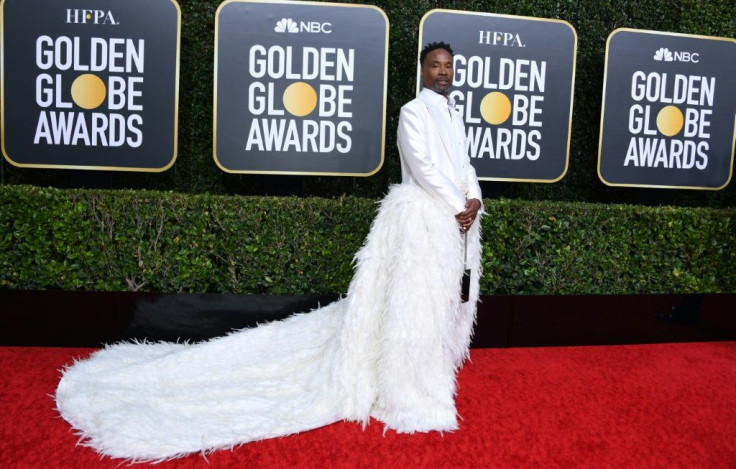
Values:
[(300, 88), (668, 117), (92, 86), (513, 83)]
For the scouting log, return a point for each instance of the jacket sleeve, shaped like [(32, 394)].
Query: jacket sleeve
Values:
[(474, 187), (415, 153)]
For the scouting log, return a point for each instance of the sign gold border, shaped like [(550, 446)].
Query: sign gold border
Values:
[(299, 173), (572, 81), (603, 113), (103, 168)]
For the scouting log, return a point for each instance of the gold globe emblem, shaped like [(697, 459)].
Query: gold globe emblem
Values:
[(300, 99), (88, 91), (670, 121), (495, 108)]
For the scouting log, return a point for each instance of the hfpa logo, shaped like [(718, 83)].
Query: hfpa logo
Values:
[(287, 25), (498, 38), (82, 16)]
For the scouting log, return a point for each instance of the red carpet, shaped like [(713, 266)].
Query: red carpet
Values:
[(645, 406)]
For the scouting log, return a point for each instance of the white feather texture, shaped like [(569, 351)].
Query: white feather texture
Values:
[(389, 349)]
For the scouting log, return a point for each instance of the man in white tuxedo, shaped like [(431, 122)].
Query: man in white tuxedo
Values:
[(431, 140), (388, 350), (427, 323)]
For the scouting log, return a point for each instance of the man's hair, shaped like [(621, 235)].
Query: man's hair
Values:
[(433, 46)]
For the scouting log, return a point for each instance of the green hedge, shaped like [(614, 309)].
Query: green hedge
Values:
[(195, 171), (162, 241)]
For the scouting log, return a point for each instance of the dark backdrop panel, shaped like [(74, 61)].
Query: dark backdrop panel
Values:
[(74, 319)]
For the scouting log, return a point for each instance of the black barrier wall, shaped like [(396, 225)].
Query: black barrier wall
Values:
[(73, 319), (194, 171)]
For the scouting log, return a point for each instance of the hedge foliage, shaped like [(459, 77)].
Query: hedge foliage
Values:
[(163, 241), (195, 171)]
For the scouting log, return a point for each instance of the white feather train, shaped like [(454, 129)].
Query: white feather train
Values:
[(389, 349)]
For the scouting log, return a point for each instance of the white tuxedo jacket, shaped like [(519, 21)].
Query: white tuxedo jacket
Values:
[(430, 157)]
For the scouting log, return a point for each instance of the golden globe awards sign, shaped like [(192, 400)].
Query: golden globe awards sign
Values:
[(90, 84), (513, 85), (669, 111), (300, 88)]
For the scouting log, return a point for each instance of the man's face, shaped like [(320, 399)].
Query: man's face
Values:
[(437, 71)]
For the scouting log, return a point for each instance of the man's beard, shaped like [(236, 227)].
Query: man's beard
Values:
[(444, 92)]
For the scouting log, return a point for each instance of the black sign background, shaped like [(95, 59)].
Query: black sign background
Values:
[(155, 21), (242, 24), (539, 39), (630, 51)]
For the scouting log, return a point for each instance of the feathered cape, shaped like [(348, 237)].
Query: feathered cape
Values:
[(389, 349)]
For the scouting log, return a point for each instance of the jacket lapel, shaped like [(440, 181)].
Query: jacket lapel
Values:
[(441, 127)]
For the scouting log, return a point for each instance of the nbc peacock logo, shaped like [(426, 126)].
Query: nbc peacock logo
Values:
[(286, 25), (663, 54)]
